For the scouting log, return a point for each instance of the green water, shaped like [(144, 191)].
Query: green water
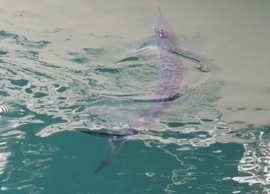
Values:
[(42, 151), (55, 82)]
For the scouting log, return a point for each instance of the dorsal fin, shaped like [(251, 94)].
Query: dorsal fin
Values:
[(160, 15)]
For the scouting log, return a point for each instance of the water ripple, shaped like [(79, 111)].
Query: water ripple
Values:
[(45, 91)]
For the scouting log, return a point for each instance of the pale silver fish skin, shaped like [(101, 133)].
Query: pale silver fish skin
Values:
[(171, 72)]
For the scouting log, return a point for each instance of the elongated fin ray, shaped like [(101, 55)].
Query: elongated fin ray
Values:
[(160, 15), (115, 146), (115, 141), (101, 134)]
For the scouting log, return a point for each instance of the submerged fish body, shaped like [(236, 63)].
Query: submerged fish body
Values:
[(171, 72), (170, 76)]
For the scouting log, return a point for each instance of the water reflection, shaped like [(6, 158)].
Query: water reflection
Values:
[(255, 160), (107, 89)]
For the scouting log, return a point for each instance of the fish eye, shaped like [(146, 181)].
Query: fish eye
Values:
[(161, 33)]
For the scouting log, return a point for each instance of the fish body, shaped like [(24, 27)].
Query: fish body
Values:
[(171, 73)]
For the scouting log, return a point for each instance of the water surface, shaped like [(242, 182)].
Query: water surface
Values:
[(67, 66)]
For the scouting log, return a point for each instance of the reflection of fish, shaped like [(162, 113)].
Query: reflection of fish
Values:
[(170, 77)]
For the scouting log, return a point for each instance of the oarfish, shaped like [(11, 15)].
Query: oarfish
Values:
[(171, 73)]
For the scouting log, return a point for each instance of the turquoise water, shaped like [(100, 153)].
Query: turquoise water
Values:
[(42, 152), (56, 82)]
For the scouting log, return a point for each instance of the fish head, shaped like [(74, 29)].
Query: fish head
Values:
[(162, 28)]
